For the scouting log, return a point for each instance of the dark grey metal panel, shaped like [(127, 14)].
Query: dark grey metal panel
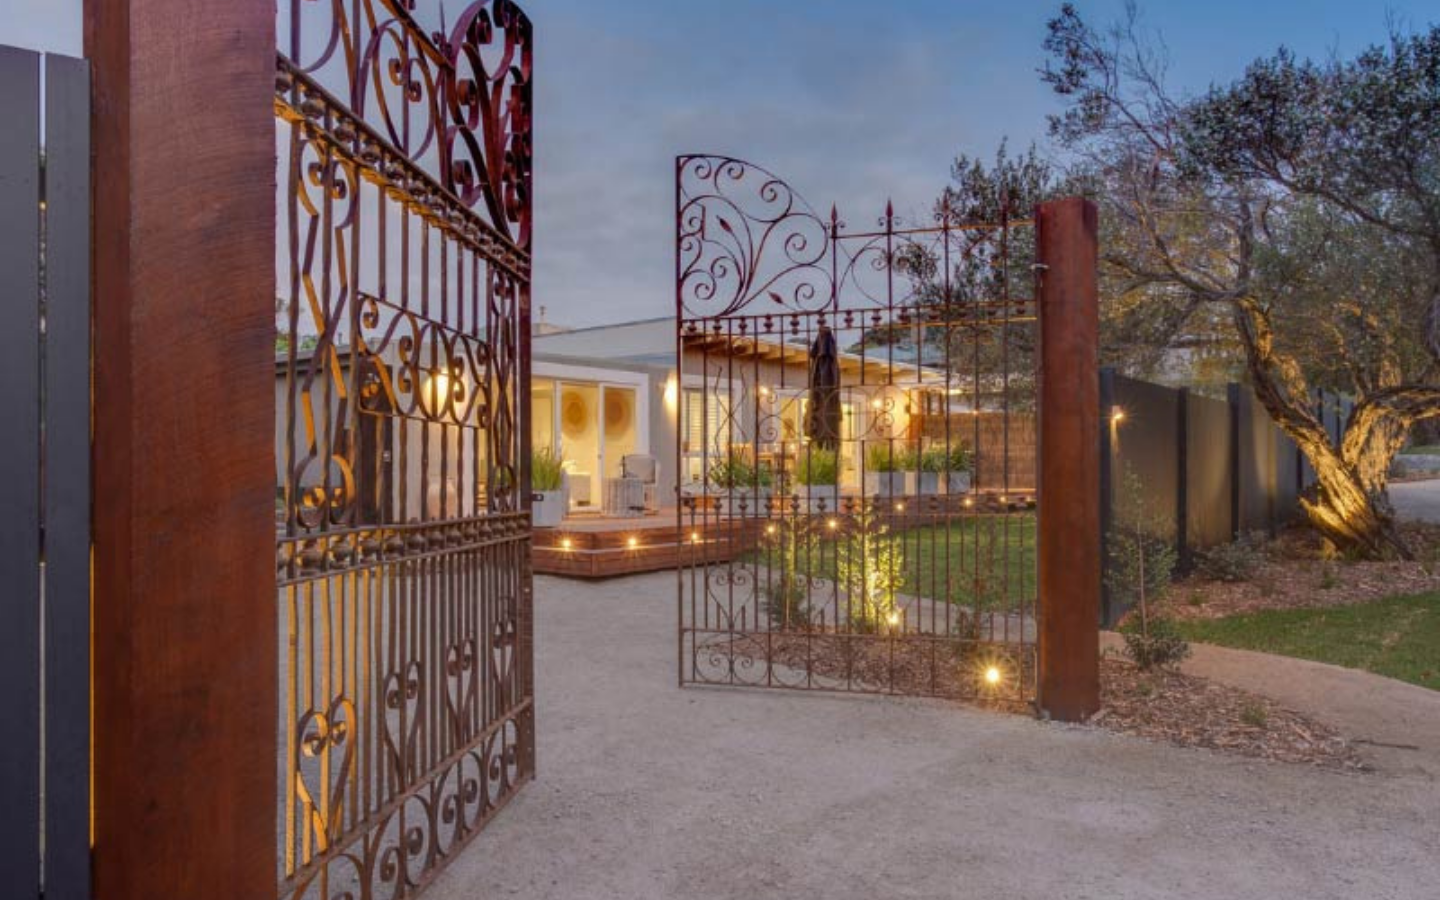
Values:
[(67, 481), (1144, 441), (19, 472), (1207, 471)]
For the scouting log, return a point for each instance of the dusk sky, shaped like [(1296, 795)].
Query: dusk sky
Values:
[(849, 101)]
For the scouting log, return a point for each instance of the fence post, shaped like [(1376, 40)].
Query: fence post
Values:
[(185, 643), (1069, 466)]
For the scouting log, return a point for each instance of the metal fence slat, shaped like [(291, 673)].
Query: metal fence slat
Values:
[(19, 472), (67, 482)]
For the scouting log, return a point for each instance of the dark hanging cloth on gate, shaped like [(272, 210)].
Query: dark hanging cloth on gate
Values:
[(822, 422)]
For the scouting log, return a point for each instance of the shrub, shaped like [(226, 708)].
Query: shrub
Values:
[(958, 459), (787, 595), (547, 469), (737, 472), (870, 566), (908, 460), (880, 458), (1235, 561), (1156, 644), (818, 466), (1140, 560), (935, 460)]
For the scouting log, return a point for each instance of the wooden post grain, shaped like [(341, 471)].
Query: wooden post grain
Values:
[(184, 545), (1069, 495)]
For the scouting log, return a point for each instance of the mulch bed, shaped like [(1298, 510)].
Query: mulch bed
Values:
[(1295, 574), (1159, 705), (1167, 706), (911, 665)]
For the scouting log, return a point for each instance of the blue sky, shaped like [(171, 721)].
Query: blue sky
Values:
[(850, 100)]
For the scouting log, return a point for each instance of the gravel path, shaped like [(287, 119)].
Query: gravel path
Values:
[(647, 791)]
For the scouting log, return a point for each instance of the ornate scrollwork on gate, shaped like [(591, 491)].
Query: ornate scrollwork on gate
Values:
[(402, 550), (859, 427)]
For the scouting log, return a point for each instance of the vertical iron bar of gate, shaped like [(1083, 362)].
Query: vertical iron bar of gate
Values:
[(1069, 515), (19, 471)]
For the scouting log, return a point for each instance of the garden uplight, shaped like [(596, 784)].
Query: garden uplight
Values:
[(632, 542), (832, 524), (992, 675), (1117, 416), (566, 544)]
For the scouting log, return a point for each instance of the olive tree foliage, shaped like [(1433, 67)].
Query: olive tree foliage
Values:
[(1293, 215), (963, 262)]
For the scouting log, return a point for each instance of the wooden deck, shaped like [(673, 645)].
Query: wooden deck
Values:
[(593, 546), (596, 546)]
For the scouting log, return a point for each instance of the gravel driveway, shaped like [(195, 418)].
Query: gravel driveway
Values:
[(647, 791)]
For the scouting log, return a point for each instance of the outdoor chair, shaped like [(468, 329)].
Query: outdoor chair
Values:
[(646, 469)]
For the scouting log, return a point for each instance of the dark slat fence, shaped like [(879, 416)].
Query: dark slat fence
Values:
[(45, 476), (1208, 468)]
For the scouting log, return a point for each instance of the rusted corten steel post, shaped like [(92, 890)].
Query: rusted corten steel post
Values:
[(1069, 494), (184, 457)]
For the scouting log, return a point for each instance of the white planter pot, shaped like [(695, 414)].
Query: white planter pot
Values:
[(817, 499), (957, 482), (884, 484), (549, 510), (922, 484), (748, 503)]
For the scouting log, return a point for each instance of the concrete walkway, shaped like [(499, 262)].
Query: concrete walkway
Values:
[(1417, 500), (647, 791)]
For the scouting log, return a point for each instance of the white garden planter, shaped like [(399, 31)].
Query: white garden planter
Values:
[(884, 484), (922, 484), (549, 509), (817, 499), (749, 503)]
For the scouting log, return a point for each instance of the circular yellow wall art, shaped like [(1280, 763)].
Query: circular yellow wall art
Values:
[(576, 417), (619, 412)]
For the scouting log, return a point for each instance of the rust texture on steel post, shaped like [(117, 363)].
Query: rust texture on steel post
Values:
[(1069, 531), (184, 267)]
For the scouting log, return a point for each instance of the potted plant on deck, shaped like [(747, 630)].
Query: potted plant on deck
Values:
[(958, 467), (547, 480), (818, 472), (883, 477), (741, 486), (932, 466)]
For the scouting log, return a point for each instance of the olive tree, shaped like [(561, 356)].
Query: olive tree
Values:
[(1293, 214)]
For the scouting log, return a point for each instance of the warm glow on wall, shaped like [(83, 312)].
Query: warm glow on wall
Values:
[(672, 395)]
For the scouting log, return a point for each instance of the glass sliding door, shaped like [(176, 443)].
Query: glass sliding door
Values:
[(579, 417), (621, 427)]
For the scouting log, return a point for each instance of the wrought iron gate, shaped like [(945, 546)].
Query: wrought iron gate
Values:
[(403, 295), (859, 406)]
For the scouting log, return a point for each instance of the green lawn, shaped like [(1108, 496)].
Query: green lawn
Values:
[(1398, 637), (985, 561)]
